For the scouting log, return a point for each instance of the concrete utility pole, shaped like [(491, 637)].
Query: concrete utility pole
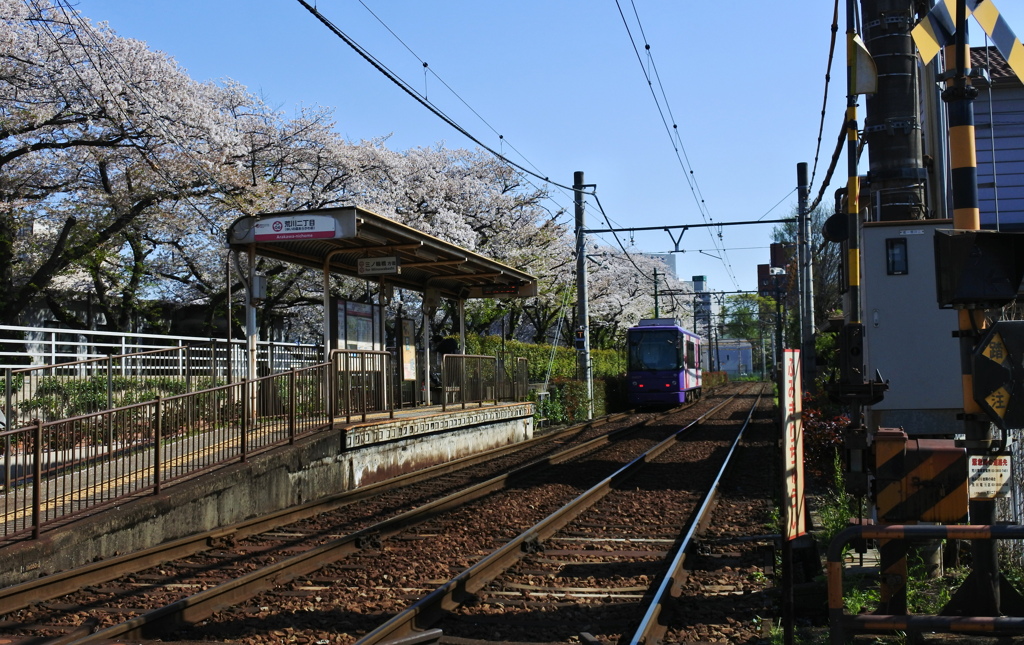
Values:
[(804, 260), (582, 307)]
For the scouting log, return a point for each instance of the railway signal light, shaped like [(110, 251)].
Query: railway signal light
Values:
[(581, 339)]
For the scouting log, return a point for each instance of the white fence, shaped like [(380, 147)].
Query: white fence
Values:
[(48, 346)]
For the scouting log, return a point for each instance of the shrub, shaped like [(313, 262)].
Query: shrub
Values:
[(822, 439)]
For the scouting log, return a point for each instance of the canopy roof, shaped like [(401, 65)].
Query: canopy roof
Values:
[(355, 242)]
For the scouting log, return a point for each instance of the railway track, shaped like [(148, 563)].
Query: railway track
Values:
[(330, 573)]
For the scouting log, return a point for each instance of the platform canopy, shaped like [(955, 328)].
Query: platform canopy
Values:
[(355, 242)]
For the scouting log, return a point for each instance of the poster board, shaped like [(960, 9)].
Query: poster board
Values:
[(357, 326), (408, 350)]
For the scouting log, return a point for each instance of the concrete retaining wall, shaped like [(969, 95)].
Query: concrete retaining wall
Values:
[(325, 464)]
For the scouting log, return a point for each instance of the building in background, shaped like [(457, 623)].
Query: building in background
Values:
[(734, 357), (999, 135)]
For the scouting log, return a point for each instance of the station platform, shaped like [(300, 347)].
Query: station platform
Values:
[(350, 454)]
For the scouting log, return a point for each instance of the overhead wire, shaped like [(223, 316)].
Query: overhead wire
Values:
[(824, 100), (406, 87), (615, 234), (430, 70), (768, 212), (419, 98), (673, 132)]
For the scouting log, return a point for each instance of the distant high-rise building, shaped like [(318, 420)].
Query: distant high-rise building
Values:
[(669, 259)]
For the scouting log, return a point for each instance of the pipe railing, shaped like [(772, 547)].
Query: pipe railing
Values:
[(363, 383), (72, 388), (468, 378), (843, 625), (53, 469)]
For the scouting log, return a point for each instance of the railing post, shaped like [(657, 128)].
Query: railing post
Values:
[(182, 360), (462, 380), (389, 386), (110, 382), (188, 368), (158, 434), (291, 406), (332, 387), (246, 419), (495, 384), (444, 379), (363, 374), (8, 396), (347, 388), (37, 479)]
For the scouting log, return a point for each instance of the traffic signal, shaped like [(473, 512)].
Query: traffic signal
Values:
[(581, 339)]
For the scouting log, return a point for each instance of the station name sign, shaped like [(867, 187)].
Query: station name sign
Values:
[(379, 266), (294, 226)]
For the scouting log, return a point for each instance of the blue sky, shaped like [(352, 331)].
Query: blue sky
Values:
[(558, 87)]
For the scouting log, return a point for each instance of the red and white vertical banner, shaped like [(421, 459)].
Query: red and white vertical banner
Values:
[(790, 399)]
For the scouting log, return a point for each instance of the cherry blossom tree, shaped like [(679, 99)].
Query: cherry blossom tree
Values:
[(100, 139), (119, 175)]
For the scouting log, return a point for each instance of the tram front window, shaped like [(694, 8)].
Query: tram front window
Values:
[(654, 350)]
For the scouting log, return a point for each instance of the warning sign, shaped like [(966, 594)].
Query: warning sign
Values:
[(998, 374), (989, 476)]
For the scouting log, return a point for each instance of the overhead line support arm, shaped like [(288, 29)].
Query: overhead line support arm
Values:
[(686, 226)]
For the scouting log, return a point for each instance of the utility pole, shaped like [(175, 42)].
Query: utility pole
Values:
[(582, 307), (806, 280), (656, 312)]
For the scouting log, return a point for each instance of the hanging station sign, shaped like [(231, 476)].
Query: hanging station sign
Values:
[(295, 226), (388, 265)]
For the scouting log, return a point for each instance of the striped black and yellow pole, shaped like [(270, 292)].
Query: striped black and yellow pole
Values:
[(959, 96), (890, 452), (853, 178)]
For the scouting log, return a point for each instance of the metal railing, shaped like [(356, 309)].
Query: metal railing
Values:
[(62, 390), (467, 378), (363, 382), (25, 346), (52, 469)]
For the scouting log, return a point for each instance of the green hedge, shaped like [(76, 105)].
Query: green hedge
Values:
[(567, 399), (606, 362)]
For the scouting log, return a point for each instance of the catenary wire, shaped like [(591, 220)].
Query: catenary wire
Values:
[(408, 89), (824, 100), (433, 73), (675, 139)]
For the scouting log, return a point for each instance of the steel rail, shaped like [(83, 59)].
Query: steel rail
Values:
[(651, 629), (203, 604), (430, 609), (52, 586)]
